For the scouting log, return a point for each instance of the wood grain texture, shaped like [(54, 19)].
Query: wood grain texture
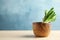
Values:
[(41, 29)]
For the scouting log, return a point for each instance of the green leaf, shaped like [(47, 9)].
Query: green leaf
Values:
[(50, 16), (45, 12)]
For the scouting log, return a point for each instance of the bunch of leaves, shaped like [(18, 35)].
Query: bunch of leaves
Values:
[(50, 16)]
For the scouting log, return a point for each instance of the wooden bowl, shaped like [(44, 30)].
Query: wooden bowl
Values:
[(41, 29)]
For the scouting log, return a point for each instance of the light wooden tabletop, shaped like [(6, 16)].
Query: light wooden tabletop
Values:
[(27, 35)]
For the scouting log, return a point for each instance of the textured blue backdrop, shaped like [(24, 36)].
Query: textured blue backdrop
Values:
[(19, 14)]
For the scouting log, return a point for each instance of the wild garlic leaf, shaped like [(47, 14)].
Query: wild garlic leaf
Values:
[(50, 16)]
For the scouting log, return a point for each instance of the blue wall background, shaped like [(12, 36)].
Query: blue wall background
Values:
[(20, 14)]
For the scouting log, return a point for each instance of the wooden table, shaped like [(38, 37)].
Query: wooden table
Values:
[(27, 35)]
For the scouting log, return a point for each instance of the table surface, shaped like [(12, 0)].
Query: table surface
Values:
[(27, 35)]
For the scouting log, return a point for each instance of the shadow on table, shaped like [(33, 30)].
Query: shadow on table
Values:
[(30, 36)]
